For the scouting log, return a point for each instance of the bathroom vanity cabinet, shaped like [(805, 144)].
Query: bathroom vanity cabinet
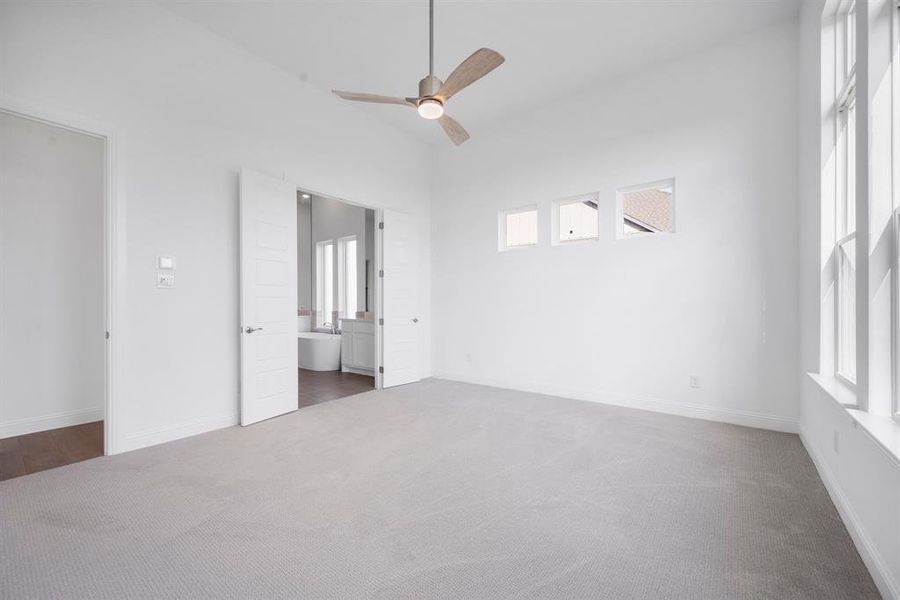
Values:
[(358, 346)]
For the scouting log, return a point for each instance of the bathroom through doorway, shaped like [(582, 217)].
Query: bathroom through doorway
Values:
[(337, 296)]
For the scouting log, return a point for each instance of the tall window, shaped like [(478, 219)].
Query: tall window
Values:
[(347, 276), (845, 181), (324, 282)]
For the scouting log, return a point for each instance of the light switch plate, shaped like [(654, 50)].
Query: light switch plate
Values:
[(165, 280), (165, 262)]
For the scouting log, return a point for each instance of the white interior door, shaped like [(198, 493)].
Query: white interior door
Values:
[(268, 297), (400, 337)]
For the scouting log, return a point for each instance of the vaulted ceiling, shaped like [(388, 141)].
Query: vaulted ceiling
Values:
[(552, 48)]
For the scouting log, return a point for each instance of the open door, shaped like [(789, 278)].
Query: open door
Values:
[(400, 337), (268, 225)]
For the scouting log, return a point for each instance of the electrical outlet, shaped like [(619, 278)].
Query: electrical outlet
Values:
[(468, 358), (837, 438), (695, 381)]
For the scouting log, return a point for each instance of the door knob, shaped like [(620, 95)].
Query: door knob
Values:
[(252, 329), (415, 319)]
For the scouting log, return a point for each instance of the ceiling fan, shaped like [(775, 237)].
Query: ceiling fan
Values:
[(434, 93)]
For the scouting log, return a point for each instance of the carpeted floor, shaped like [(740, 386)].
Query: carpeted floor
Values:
[(437, 490)]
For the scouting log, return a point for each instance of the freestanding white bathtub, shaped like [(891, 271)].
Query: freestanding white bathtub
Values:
[(319, 351)]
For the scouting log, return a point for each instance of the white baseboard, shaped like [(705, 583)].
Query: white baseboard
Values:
[(54, 421), (867, 550), (696, 411), (170, 433), (366, 372)]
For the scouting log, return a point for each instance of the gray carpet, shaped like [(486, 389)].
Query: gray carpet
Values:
[(437, 490)]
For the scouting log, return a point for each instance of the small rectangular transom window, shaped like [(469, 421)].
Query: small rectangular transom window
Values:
[(647, 209), (576, 219), (518, 228)]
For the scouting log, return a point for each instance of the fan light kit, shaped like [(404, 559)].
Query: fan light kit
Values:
[(431, 109), (434, 93)]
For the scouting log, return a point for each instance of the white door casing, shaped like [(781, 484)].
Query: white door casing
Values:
[(400, 306), (268, 282)]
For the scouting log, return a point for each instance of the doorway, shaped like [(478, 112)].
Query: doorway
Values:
[(337, 298), (339, 335), (53, 295)]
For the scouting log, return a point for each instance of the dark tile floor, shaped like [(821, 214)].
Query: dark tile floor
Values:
[(321, 386), (25, 454)]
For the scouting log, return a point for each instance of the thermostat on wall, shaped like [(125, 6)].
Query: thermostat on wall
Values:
[(165, 262)]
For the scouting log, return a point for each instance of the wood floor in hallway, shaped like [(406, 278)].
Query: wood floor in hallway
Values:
[(33, 452)]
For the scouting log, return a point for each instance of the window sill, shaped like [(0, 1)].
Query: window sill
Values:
[(842, 393), (883, 430), (514, 248), (574, 242)]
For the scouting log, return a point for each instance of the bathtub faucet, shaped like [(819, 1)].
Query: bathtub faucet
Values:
[(334, 329)]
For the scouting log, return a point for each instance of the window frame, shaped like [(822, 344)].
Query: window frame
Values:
[(501, 227), (343, 277), (895, 194), (895, 303), (845, 178), (845, 41), (555, 239), (838, 289), (620, 208), (321, 286), (845, 123)]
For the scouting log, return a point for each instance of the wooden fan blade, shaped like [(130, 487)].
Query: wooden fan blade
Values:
[(453, 129), (470, 70), (356, 97)]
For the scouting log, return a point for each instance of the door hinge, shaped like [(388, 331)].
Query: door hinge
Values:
[(381, 225), (381, 272), (107, 335), (381, 369), (381, 321)]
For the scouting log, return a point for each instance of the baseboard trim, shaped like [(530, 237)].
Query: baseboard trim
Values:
[(354, 370), (695, 411), (54, 421), (170, 433), (867, 550)]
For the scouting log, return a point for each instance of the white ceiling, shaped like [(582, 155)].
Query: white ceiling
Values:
[(552, 48)]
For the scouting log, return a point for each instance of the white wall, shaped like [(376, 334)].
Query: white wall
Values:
[(51, 277), (862, 479), (629, 321), (190, 110)]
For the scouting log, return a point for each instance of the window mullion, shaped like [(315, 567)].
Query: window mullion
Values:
[(850, 236)]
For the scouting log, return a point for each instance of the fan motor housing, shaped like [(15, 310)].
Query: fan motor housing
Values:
[(429, 86)]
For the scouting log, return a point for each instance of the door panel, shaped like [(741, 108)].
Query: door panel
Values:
[(268, 226), (401, 300)]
